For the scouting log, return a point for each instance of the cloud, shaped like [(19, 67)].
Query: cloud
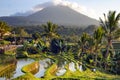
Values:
[(73, 5), (77, 7), (23, 13), (34, 9), (41, 6)]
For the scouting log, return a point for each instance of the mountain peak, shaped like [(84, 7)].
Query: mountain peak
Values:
[(73, 5), (61, 15)]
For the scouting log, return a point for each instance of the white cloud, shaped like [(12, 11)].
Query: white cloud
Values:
[(77, 7), (73, 5), (41, 6)]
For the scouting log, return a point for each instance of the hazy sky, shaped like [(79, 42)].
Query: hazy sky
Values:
[(8, 7)]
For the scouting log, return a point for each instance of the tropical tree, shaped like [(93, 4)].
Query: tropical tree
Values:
[(110, 25), (57, 46), (117, 34), (90, 47), (36, 36), (82, 44), (98, 36), (49, 32), (90, 44), (20, 32), (4, 28)]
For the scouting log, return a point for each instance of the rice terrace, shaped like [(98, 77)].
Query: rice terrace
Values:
[(59, 40)]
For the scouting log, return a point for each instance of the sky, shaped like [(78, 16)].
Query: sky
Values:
[(92, 8)]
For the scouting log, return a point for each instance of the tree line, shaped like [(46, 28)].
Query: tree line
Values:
[(96, 49)]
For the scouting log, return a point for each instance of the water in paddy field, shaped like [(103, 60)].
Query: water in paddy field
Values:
[(20, 64), (17, 64), (43, 66), (62, 70), (14, 67)]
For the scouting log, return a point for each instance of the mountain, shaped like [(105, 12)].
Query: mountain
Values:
[(23, 14), (61, 15)]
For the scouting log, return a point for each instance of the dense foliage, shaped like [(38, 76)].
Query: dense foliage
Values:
[(93, 51)]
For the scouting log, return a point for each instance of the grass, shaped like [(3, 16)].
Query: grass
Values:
[(31, 68), (86, 75), (10, 52), (3, 42), (4, 69), (34, 56), (27, 76), (68, 75), (50, 72)]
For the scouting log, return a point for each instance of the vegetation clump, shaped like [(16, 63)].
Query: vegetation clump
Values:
[(31, 68), (94, 52)]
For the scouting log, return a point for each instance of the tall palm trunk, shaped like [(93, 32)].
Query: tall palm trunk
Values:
[(82, 51), (109, 46), (96, 55)]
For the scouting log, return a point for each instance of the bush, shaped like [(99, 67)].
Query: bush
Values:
[(3, 42), (57, 46)]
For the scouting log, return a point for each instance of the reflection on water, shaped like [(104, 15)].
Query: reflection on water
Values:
[(20, 64), (72, 66), (10, 67), (7, 67), (13, 67), (62, 70), (42, 68), (80, 68), (15, 71)]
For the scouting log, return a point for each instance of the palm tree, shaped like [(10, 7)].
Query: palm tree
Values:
[(82, 43), (4, 28), (36, 36), (50, 32), (117, 34), (98, 35), (90, 45), (110, 25)]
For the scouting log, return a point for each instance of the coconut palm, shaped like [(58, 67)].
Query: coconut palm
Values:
[(90, 45), (98, 35), (93, 44), (36, 36), (110, 25), (82, 43), (50, 30), (117, 34)]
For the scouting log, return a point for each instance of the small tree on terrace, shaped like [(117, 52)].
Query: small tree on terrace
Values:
[(4, 28)]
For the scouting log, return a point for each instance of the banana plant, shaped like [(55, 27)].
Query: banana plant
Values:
[(57, 46)]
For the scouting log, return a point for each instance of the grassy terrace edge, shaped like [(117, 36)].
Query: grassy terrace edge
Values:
[(68, 75)]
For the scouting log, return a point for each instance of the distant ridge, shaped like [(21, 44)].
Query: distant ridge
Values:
[(60, 15)]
